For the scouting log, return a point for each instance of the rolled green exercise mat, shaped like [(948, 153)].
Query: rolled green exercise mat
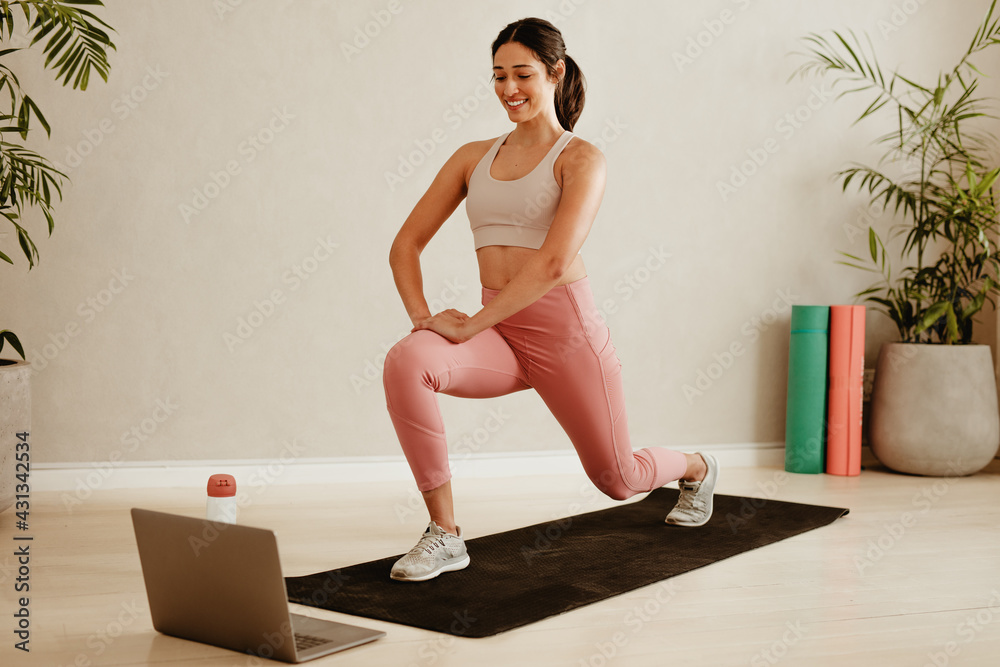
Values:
[(805, 416)]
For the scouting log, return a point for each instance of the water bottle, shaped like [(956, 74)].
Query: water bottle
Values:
[(221, 499)]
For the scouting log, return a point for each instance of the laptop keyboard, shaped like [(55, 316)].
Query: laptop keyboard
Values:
[(303, 642)]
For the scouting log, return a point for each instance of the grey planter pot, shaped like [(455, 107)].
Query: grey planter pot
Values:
[(934, 409), (15, 417)]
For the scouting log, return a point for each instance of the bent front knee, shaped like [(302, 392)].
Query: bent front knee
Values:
[(409, 357)]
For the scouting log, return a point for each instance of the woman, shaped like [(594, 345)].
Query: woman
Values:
[(532, 195)]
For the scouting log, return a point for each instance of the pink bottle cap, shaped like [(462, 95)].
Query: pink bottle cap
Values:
[(221, 486)]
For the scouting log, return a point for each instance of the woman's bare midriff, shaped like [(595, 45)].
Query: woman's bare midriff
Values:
[(499, 264)]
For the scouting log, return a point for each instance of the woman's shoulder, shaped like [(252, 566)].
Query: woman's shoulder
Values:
[(581, 154), (476, 150), (469, 155)]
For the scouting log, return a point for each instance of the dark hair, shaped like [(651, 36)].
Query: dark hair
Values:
[(546, 42)]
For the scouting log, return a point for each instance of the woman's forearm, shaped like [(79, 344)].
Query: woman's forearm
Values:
[(538, 275), (405, 263)]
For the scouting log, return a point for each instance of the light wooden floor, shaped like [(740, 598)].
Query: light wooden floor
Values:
[(912, 573)]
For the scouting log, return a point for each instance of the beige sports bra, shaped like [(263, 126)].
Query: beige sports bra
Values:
[(517, 212)]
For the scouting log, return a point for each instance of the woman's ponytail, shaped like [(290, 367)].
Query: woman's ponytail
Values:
[(570, 95)]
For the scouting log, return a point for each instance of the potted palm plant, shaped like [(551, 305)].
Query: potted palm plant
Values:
[(75, 44), (934, 402)]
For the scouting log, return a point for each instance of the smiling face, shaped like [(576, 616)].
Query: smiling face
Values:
[(522, 82)]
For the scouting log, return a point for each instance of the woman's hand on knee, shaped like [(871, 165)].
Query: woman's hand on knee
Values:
[(448, 323)]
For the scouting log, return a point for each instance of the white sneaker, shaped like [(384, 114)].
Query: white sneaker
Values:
[(436, 552), (694, 507)]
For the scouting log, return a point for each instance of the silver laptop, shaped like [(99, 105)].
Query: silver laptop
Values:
[(221, 584)]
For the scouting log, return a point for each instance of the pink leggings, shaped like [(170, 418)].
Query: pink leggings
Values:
[(559, 346)]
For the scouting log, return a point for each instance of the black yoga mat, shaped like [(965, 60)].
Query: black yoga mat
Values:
[(521, 576)]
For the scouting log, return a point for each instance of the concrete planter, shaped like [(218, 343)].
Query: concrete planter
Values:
[(15, 417), (934, 409)]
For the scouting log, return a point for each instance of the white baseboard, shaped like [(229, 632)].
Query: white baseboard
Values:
[(82, 477)]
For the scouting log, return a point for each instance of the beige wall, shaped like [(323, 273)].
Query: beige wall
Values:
[(217, 284)]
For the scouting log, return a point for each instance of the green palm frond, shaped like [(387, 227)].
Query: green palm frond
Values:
[(76, 40), (76, 43), (943, 191)]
